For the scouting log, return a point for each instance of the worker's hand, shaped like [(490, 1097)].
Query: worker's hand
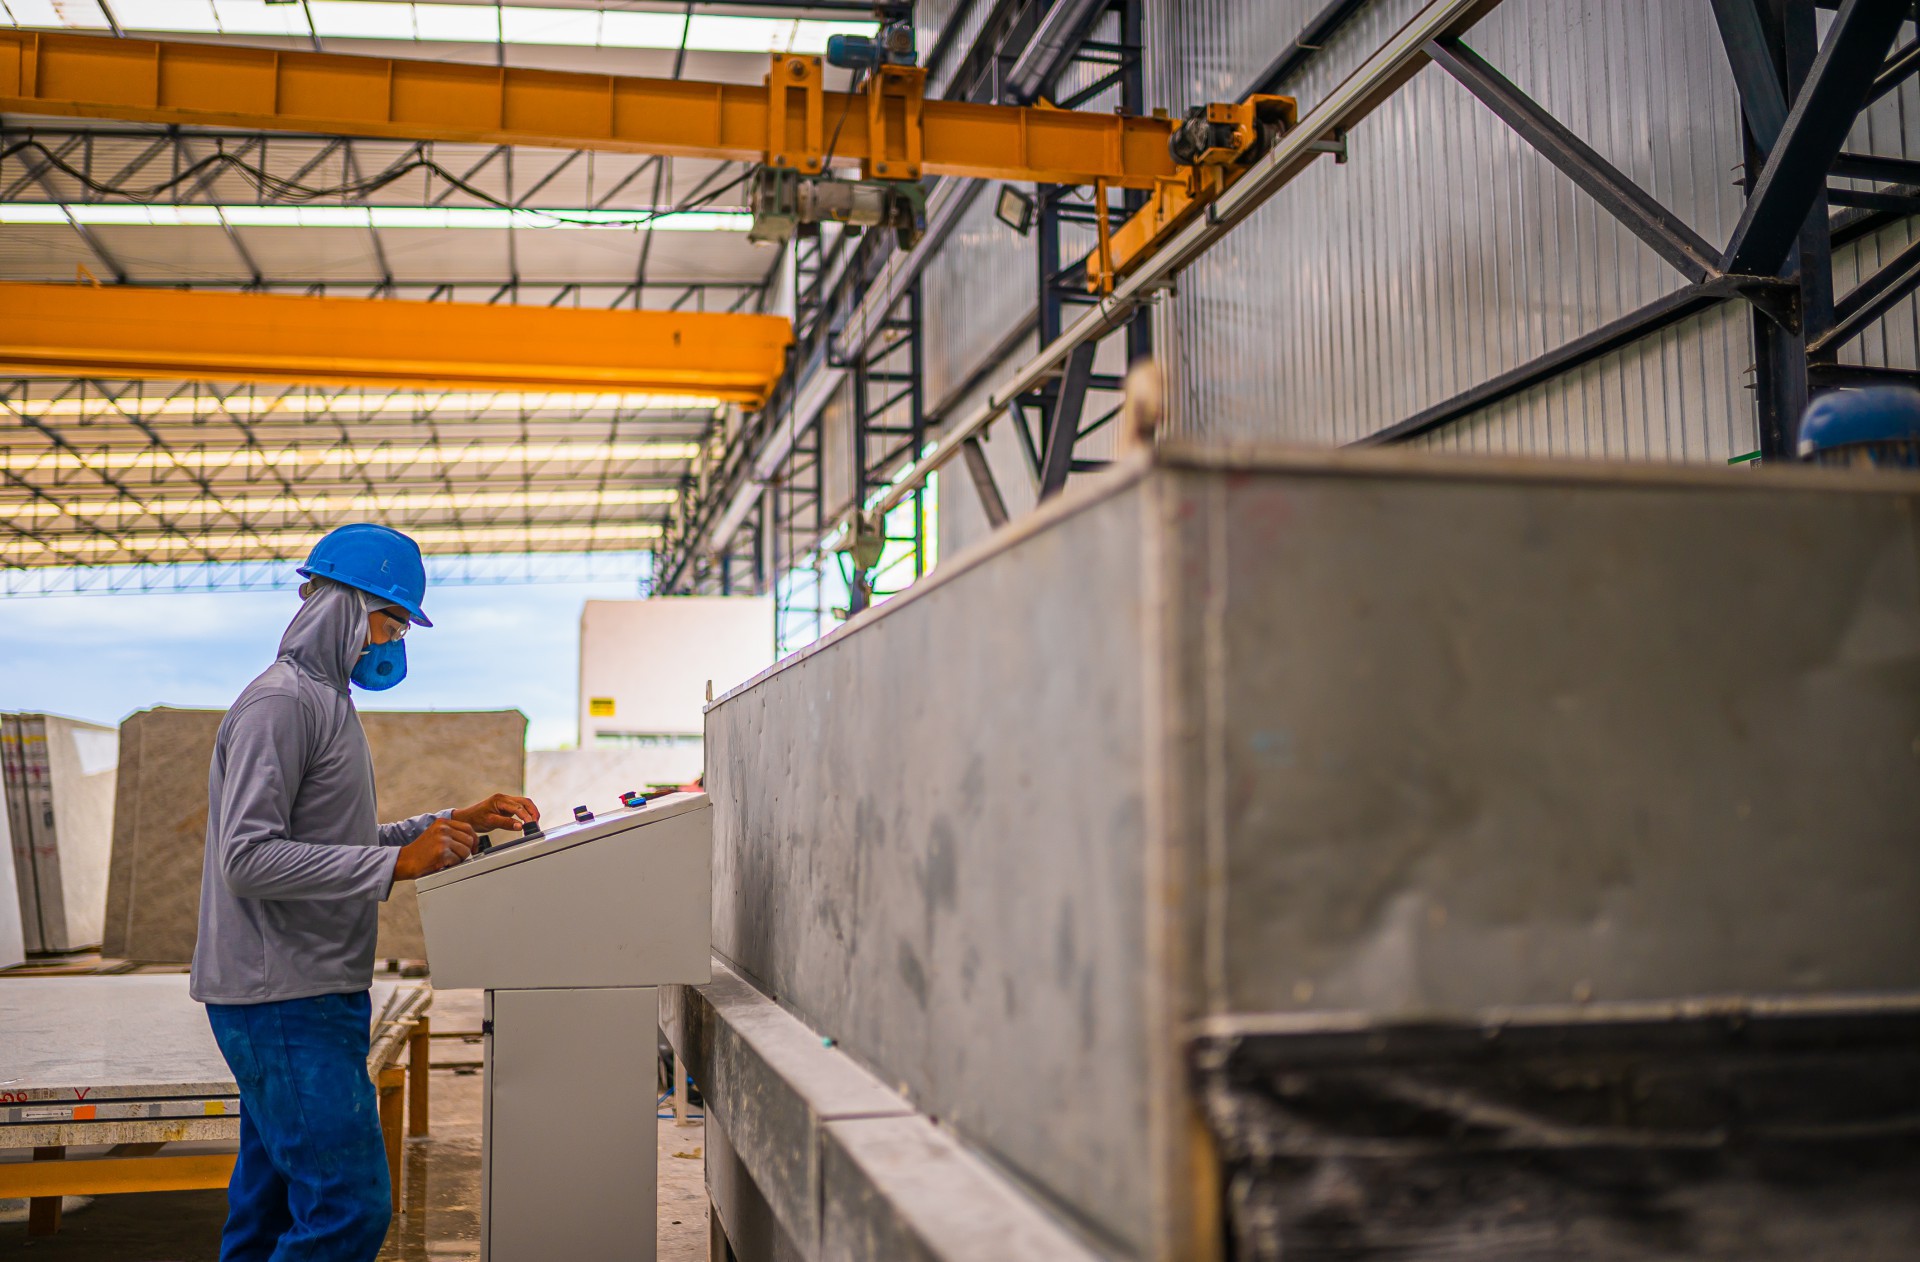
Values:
[(445, 843), (502, 810)]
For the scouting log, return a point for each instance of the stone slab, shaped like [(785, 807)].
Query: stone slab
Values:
[(423, 761), (60, 778), (13, 941), (113, 1037)]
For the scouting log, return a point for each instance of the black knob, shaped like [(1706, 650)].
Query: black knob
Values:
[(582, 815), (530, 829)]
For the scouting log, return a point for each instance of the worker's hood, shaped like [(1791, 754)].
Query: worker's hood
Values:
[(325, 638)]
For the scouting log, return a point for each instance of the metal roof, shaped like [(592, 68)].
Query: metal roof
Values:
[(112, 473)]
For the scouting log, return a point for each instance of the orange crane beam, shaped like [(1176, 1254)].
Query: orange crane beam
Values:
[(890, 130), (117, 331)]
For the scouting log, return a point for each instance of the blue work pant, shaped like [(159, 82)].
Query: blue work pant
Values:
[(311, 1181)]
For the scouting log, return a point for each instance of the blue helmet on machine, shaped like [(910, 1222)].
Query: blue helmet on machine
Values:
[(1877, 426), (374, 559)]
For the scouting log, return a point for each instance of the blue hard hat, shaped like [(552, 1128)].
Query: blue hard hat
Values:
[(374, 559), (1882, 422)]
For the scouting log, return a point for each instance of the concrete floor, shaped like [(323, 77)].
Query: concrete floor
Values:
[(441, 1219)]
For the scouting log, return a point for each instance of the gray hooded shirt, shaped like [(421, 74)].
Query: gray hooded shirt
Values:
[(296, 865)]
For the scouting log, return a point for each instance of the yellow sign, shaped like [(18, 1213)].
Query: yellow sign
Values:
[(600, 707)]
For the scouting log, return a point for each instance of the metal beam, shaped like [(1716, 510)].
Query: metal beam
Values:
[(1871, 299), (118, 331), (1370, 84), (1063, 425), (1823, 112), (1320, 28), (1872, 166), (89, 76), (1896, 203), (1665, 232), (1839, 376), (991, 502), (1614, 335), (1749, 48), (1899, 68), (1054, 37), (946, 207)]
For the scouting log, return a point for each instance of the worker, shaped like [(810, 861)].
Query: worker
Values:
[(296, 867), (1875, 427)]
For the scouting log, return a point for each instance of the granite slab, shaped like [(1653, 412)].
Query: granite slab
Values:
[(422, 761)]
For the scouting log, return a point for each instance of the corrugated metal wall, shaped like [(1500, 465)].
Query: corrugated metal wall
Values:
[(1446, 251), (1891, 127), (983, 283)]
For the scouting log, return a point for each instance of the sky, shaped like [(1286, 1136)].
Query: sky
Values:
[(103, 657)]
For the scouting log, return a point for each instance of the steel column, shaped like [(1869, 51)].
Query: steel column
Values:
[(1825, 103)]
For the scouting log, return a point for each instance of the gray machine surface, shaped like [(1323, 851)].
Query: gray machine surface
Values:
[(1268, 746), (568, 932)]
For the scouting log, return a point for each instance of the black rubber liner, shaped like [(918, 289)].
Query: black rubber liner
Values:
[(1728, 1136)]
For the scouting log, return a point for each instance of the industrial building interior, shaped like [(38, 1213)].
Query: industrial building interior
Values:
[(1095, 629)]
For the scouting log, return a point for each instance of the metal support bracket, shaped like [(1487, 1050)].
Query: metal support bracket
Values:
[(796, 80), (1776, 299), (895, 155), (1335, 145)]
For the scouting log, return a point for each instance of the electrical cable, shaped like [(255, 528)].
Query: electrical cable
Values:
[(285, 191)]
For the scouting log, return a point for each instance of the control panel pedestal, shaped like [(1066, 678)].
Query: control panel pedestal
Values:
[(569, 932), (568, 1164)]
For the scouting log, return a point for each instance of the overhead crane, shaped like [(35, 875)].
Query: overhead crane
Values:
[(789, 123), (796, 133), (121, 331)]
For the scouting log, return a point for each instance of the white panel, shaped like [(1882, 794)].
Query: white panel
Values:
[(571, 1159), (653, 658), (59, 780), (13, 943)]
